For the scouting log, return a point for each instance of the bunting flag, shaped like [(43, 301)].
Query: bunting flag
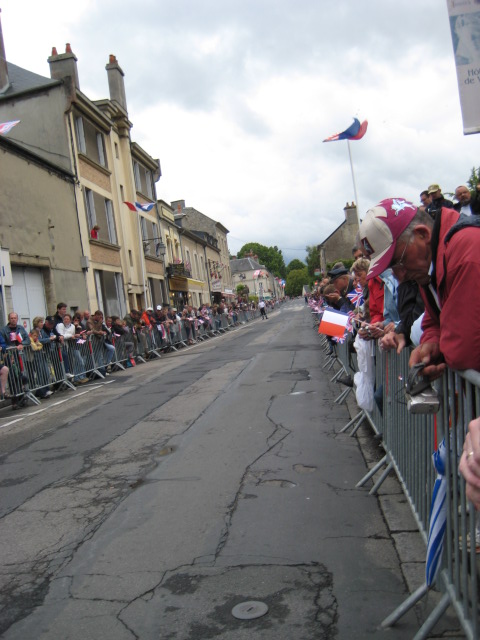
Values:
[(356, 296), (355, 131), (333, 323), (138, 206), (5, 127)]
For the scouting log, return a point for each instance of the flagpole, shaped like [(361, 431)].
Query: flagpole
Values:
[(354, 185), (142, 258)]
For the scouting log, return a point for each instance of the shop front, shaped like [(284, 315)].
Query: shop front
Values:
[(177, 286)]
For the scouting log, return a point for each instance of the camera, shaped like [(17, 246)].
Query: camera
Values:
[(421, 397)]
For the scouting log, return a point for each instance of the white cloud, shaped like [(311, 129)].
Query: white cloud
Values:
[(235, 98)]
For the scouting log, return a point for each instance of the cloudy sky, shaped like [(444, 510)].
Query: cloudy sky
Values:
[(236, 96)]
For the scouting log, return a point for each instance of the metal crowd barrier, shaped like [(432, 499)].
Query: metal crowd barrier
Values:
[(409, 441), (32, 373)]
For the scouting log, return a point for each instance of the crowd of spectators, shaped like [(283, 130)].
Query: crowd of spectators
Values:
[(412, 285), (69, 349)]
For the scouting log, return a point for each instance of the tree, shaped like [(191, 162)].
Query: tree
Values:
[(295, 281), (271, 257), (313, 260), (474, 179), (294, 265)]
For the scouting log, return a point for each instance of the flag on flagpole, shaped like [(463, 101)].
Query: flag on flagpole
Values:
[(333, 323), (5, 127), (138, 206), (438, 517), (355, 131)]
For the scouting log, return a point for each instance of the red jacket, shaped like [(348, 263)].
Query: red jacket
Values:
[(457, 330), (375, 299)]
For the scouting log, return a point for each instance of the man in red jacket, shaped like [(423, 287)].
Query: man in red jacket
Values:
[(447, 268), (443, 257)]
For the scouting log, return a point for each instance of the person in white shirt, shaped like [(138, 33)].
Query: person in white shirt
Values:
[(263, 310)]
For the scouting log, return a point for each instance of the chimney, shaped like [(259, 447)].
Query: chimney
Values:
[(351, 213), (178, 206), (64, 65), (116, 83), (4, 81)]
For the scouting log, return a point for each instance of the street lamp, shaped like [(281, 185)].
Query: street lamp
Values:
[(160, 248)]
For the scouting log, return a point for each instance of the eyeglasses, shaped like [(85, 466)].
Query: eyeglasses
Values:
[(399, 266)]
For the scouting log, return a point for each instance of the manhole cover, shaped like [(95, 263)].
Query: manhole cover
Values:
[(249, 610)]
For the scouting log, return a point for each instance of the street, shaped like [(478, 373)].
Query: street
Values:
[(150, 505)]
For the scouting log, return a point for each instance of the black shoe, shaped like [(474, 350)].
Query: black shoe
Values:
[(346, 380)]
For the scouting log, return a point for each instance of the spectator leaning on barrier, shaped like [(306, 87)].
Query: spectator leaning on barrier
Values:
[(15, 337), (399, 235), (14, 334), (3, 367), (443, 257), (67, 330)]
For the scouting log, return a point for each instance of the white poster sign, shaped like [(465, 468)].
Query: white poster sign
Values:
[(465, 27)]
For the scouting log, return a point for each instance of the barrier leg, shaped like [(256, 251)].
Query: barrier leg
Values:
[(360, 417), (343, 396), (433, 618), (404, 607), (372, 471), (381, 480)]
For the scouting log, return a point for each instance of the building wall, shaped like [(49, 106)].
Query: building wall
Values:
[(39, 225), (42, 128), (338, 246)]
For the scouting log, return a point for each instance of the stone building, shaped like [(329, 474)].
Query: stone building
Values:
[(68, 166), (338, 245), (217, 261), (260, 282)]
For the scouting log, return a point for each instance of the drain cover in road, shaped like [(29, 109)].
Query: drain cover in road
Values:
[(249, 610)]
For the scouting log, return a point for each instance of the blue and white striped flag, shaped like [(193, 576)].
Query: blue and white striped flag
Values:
[(438, 517)]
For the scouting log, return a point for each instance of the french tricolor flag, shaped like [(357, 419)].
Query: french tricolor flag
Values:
[(333, 323), (138, 206)]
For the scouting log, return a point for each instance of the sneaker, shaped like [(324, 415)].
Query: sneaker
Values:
[(69, 376), (82, 381), (48, 394)]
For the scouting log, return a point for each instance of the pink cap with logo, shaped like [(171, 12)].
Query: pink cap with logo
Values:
[(380, 230)]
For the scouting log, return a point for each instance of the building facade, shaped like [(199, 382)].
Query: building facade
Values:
[(338, 245), (68, 168), (216, 253), (260, 282)]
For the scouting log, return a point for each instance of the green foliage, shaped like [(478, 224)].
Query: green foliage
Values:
[(295, 281), (474, 179), (295, 264), (313, 260), (271, 257)]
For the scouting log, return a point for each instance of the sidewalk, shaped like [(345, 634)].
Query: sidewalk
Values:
[(409, 543)]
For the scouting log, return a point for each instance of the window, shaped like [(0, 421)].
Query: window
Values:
[(80, 135), (112, 234), (90, 141), (143, 180), (196, 272), (110, 293), (100, 212), (150, 236), (156, 293)]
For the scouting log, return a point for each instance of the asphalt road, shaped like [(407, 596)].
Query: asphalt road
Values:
[(150, 505)]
